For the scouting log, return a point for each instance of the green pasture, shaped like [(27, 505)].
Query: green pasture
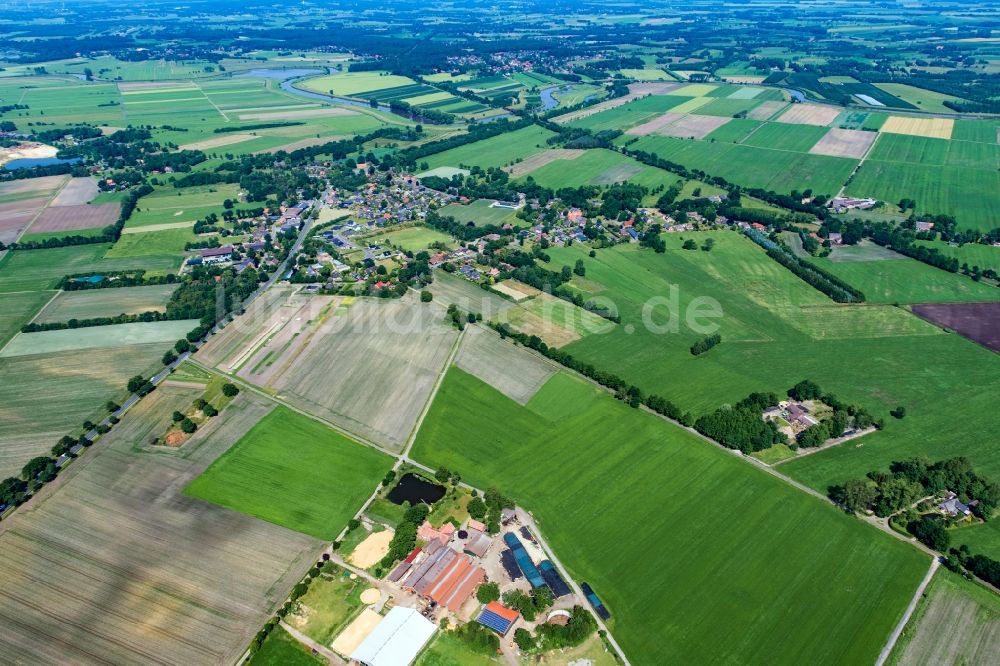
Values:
[(33, 270), (609, 486), (481, 213), (960, 191), (354, 83), (907, 281), (776, 331), (923, 99), (170, 205), (973, 254), (753, 166), (19, 308), (293, 471), (280, 649), (500, 150), (165, 245), (416, 239), (600, 167)]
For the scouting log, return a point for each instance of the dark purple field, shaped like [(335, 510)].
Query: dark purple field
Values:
[(980, 322)]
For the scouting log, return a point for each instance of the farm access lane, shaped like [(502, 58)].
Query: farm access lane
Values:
[(898, 631)]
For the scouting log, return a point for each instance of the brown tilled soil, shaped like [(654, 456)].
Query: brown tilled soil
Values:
[(979, 322)]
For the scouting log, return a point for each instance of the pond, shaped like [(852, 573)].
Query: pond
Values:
[(413, 489), (30, 162)]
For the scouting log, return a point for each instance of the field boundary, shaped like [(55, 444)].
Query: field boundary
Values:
[(898, 631)]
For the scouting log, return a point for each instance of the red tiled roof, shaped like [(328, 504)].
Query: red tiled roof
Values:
[(502, 611)]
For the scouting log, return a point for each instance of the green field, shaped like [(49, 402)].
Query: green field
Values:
[(355, 83), (92, 303), (280, 649), (958, 191), (447, 649), (499, 150), (660, 546), (481, 212), (923, 99), (753, 166), (907, 281), (168, 205), (415, 239), (629, 115), (18, 310), (973, 254), (161, 246), (33, 270), (776, 331), (99, 337), (295, 472), (600, 167)]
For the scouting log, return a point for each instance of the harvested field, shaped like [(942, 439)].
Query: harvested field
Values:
[(744, 79), (652, 88), (98, 337), (154, 86), (77, 191), (541, 159), (979, 322), (844, 143), (145, 575), (597, 108), (809, 114), (957, 622), (694, 127), (294, 115), (40, 185), (71, 386), (369, 370), (302, 143), (219, 141), (515, 372), (554, 320), (22, 206), (13, 225), (448, 289), (506, 290), (765, 110), (92, 303), (746, 92), (230, 347), (654, 125), (934, 128), (69, 218)]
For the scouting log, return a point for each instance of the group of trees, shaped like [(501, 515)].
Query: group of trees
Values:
[(886, 493), (835, 425), (816, 277), (705, 344), (529, 604), (740, 426)]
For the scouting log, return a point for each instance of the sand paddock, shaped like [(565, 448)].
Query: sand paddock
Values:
[(371, 550), (653, 125), (809, 114), (696, 127), (356, 632), (295, 115), (541, 159), (370, 596), (933, 128), (844, 143)]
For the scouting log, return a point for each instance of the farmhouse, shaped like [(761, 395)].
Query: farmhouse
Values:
[(498, 617), (396, 640), (444, 576), (952, 506), (844, 204)]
